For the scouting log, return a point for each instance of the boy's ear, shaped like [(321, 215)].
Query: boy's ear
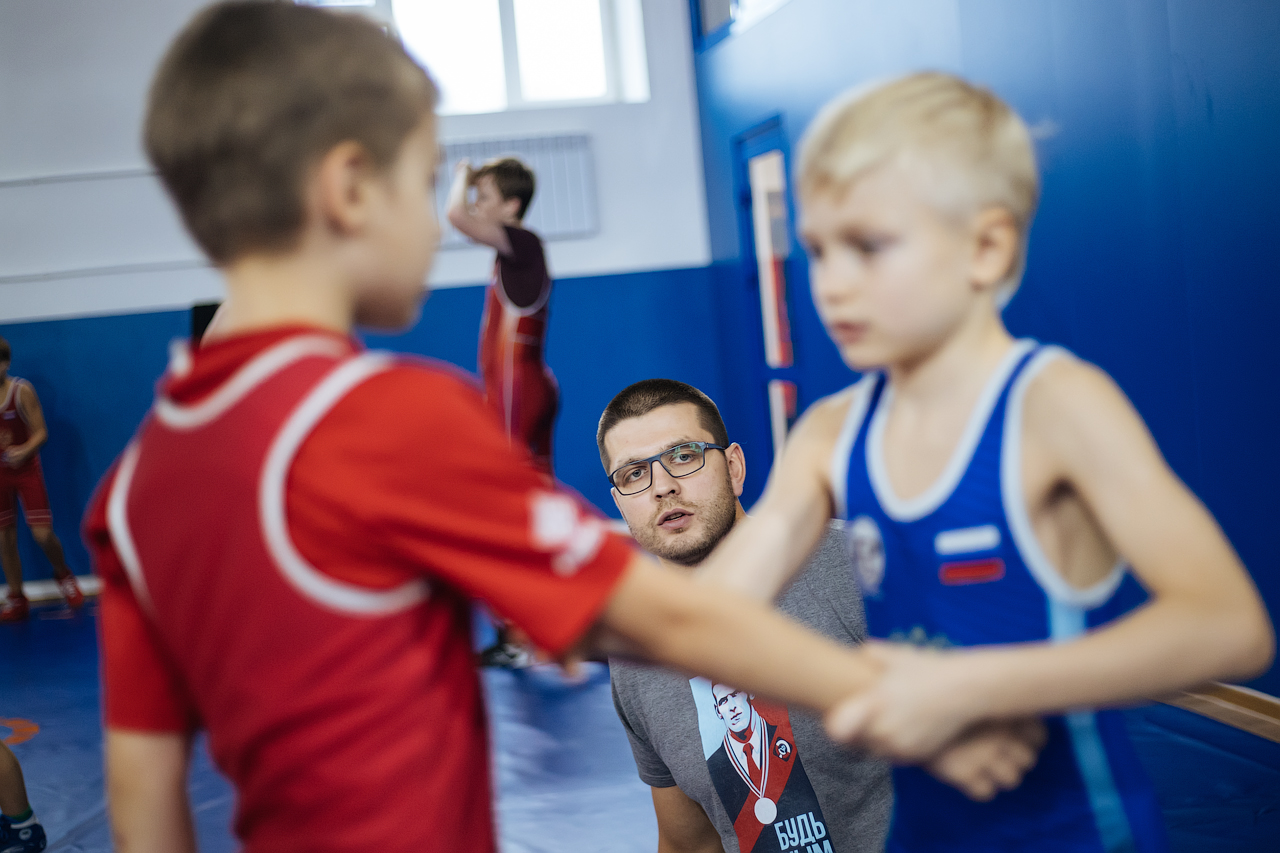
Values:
[(511, 207), (341, 186), (995, 246)]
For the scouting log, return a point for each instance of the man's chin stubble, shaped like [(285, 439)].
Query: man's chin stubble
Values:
[(690, 557), (691, 554)]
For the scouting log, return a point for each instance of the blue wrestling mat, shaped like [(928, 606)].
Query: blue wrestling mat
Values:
[(564, 774)]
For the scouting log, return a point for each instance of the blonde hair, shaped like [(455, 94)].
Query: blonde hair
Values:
[(977, 149)]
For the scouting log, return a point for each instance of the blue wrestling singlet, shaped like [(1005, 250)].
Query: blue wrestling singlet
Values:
[(960, 566)]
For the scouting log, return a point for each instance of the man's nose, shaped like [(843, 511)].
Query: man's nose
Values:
[(663, 482)]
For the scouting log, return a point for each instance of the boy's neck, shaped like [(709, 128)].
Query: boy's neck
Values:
[(964, 357), (295, 288)]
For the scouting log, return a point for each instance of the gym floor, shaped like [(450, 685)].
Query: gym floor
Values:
[(564, 773)]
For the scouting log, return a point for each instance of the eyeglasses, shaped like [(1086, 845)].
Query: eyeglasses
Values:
[(679, 461)]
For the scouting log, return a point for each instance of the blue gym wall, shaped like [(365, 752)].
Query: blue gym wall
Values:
[(1159, 119), (95, 376), (1159, 123)]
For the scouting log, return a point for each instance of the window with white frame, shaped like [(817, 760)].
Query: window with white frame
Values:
[(495, 55)]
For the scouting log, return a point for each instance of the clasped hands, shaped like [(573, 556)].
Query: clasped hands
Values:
[(925, 710)]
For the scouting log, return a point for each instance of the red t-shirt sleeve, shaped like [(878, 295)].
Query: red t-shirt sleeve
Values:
[(411, 474), (141, 690)]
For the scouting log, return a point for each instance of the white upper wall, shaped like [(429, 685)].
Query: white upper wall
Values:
[(86, 229)]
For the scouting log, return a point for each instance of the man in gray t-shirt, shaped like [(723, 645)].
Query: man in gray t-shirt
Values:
[(729, 770)]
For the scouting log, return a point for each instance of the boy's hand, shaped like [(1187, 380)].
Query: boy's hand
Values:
[(463, 171), (15, 456), (922, 701), (989, 758)]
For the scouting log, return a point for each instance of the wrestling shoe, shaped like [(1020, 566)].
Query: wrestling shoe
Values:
[(504, 656), (71, 592), (15, 609), (25, 837)]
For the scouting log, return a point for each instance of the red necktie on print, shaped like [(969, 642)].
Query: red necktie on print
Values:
[(752, 767)]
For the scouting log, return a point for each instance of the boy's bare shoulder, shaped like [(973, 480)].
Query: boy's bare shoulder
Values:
[(1075, 406), (820, 427), (26, 393)]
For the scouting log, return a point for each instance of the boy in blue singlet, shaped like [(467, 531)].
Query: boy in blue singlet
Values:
[(995, 491)]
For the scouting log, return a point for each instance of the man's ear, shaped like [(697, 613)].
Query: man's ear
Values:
[(737, 462), (342, 186), (995, 247)]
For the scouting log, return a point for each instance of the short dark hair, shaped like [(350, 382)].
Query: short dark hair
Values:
[(251, 94), (641, 398), (512, 178), (6, 354)]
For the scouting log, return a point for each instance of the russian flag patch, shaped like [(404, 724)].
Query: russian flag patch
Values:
[(971, 571)]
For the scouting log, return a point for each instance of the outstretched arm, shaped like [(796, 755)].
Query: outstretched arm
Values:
[(29, 408), (762, 553), (462, 217), (658, 615), (1204, 620), (147, 791), (668, 618)]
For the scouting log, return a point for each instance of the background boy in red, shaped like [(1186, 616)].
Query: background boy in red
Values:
[(289, 545), (513, 331), (22, 433)]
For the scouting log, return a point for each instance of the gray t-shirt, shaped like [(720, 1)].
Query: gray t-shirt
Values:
[(680, 735)]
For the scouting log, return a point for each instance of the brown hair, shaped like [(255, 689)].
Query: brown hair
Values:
[(6, 354), (512, 178), (251, 94), (641, 398)]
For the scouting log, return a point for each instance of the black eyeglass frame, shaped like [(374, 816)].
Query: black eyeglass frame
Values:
[(657, 457)]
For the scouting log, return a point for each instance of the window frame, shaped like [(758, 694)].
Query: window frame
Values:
[(611, 41), (511, 62)]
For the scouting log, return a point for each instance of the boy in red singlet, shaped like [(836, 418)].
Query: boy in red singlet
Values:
[(290, 543), (513, 332), (22, 432), (518, 385)]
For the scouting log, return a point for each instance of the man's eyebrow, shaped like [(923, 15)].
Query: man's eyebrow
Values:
[(675, 443)]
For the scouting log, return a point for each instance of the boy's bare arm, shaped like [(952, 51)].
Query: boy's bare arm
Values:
[(665, 617), (1204, 620), (147, 791), (29, 406), (659, 615), (462, 217), (760, 555)]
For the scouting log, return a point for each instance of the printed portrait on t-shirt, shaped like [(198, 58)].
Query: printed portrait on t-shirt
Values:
[(757, 772)]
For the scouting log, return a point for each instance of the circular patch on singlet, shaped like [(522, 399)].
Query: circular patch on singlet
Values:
[(866, 551)]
